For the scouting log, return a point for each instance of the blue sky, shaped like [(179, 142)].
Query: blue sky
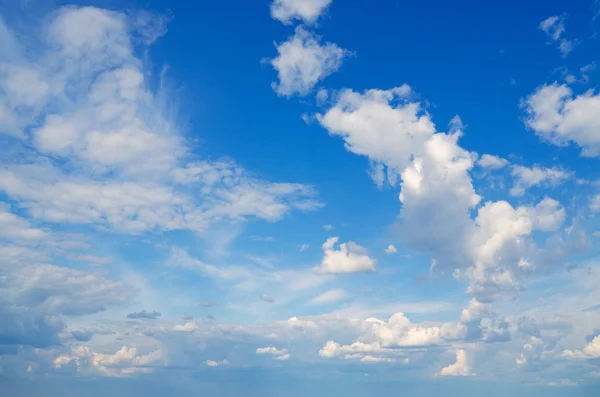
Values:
[(299, 197)]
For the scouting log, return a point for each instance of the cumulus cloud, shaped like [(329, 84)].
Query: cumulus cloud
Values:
[(560, 118), (390, 249), (591, 350), (308, 11), (459, 368), (280, 354), (144, 314), (212, 363), (125, 361), (554, 27), (270, 350), (492, 162), (525, 178), (302, 62), (441, 212), (349, 258)]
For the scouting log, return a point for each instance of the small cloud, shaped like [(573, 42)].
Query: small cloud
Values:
[(144, 315), (391, 249), (327, 227), (212, 363), (207, 303), (210, 317), (186, 317), (492, 162), (267, 298), (304, 247), (349, 258), (281, 354)]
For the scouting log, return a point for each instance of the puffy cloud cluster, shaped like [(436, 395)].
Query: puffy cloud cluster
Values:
[(302, 62), (125, 361), (437, 194), (279, 354), (560, 118), (591, 350), (459, 368), (349, 258)]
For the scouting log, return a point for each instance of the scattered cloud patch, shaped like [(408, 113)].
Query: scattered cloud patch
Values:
[(302, 62), (554, 27), (525, 178)]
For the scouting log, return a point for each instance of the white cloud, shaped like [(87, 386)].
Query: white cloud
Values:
[(105, 149), (303, 62), (559, 118), (125, 361), (459, 368), (330, 296), (15, 228), (391, 249), (280, 354), (349, 258), (212, 363), (372, 126), (591, 350), (270, 350), (528, 177), (327, 227), (370, 359), (308, 11), (492, 162), (548, 215), (304, 247), (440, 213), (554, 27)]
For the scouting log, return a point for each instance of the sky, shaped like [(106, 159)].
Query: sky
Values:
[(299, 197)]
